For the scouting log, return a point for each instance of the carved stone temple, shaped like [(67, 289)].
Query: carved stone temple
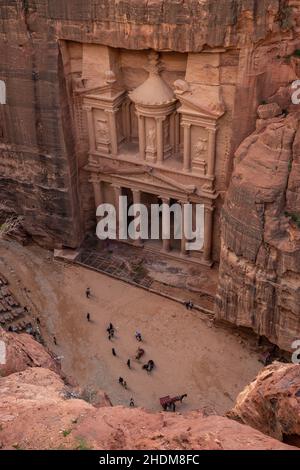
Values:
[(152, 129)]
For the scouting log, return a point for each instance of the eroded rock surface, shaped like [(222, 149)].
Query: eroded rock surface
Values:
[(35, 414), (271, 403), (22, 351), (259, 283)]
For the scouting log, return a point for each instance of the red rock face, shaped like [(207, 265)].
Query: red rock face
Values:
[(271, 403), (35, 414), (22, 351), (259, 283)]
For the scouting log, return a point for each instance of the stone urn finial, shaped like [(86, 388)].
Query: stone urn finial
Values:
[(181, 86), (110, 77), (154, 66)]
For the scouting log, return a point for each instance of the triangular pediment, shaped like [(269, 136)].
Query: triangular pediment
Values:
[(150, 175)]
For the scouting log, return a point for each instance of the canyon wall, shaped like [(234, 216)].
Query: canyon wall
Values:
[(259, 282)]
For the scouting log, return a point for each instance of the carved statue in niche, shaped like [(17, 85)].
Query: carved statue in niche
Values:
[(151, 138), (200, 148), (101, 130), (166, 132), (79, 84)]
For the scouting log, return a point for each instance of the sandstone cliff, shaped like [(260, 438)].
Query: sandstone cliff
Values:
[(22, 351), (271, 403), (259, 283)]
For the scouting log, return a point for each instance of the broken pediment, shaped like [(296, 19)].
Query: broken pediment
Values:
[(204, 101)]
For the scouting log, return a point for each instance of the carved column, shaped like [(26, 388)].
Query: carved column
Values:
[(208, 233), (142, 136), (211, 152), (172, 131), (183, 239), (98, 191), (165, 221), (119, 213), (126, 120), (177, 132), (91, 128), (187, 147), (160, 140), (113, 131), (137, 200)]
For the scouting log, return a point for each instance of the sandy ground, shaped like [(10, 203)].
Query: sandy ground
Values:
[(210, 364)]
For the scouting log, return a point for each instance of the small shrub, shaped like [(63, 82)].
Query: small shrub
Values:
[(17, 446), (66, 432), (294, 217), (286, 17), (82, 445)]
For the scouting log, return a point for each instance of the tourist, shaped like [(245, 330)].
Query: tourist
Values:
[(189, 305), (88, 317), (88, 293), (110, 329), (55, 340), (138, 336), (113, 352), (131, 404), (121, 380), (149, 366), (140, 353), (129, 364), (38, 321), (124, 384)]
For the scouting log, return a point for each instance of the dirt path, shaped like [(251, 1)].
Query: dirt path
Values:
[(210, 364)]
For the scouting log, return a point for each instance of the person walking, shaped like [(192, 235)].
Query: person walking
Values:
[(110, 330), (131, 403), (113, 352), (88, 292), (55, 340), (189, 305), (140, 353), (129, 364), (88, 317), (138, 336)]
